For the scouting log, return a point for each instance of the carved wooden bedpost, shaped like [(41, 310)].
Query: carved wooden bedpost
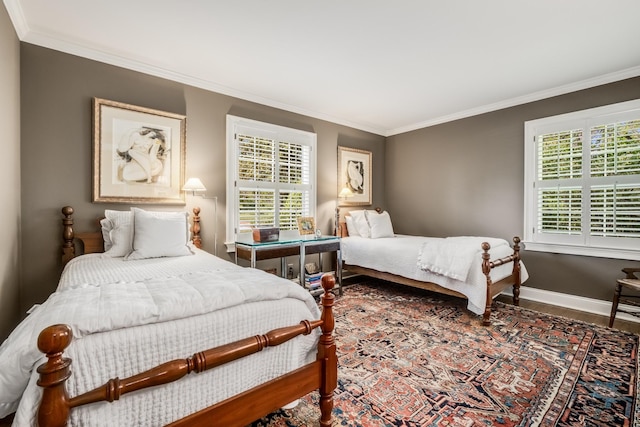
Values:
[(68, 249), (54, 407), (486, 270), (487, 265), (327, 352), (516, 271), (195, 229)]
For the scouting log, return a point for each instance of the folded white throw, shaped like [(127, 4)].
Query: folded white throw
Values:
[(453, 256)]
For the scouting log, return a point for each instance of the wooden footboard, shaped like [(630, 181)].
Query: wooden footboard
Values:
[(236, 411), (515, 279), (493, 288)]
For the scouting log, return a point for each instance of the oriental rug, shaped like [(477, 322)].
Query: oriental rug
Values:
[(408, 357)]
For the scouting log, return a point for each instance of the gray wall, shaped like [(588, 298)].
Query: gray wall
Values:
[(57, 150), (467, 177), (9, 174)]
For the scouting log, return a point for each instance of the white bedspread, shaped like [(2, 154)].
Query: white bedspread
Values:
[(399, 255), (453, 256), (169, 309)]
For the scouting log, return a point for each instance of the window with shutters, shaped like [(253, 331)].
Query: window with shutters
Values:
[(582, 182), (271, 174)]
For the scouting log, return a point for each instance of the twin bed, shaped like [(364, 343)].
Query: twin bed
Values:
[(475, 268), (143, 313)]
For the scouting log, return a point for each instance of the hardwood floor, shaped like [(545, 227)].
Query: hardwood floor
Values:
[(623, 325)]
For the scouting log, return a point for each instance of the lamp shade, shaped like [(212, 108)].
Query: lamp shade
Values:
[(345, 192), (194, 185)]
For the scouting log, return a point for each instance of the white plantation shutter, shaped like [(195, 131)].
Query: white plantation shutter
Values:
[(615, 149), (271, 175), (615, 211), (560, 210), (560, 155), (582, 182), (255, 208), (292, 205)]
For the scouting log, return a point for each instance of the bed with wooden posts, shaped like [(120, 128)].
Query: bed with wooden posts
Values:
[(462, 267), (154, 361)]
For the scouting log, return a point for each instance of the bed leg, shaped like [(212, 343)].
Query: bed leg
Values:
[(486, 317), (54, 406), (327, 352)]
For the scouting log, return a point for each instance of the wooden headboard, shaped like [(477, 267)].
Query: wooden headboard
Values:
[(92, 241)]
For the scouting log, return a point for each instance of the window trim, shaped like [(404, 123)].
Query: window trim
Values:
[(563, 122), (262, 128)]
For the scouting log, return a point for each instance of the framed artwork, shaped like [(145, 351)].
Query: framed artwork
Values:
[(138, 154), (354, 173), (306, 225)]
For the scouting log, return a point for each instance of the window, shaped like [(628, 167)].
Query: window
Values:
[(271, 176), (582, 182)]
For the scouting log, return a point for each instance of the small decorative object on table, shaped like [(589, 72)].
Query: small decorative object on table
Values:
[(266, 234), (311, 268), (306, 225)]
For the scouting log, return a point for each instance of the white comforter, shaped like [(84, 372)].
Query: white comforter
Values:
[(403, 255), (454, 256), (173, 308)]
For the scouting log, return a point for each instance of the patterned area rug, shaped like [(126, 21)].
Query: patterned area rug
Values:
[(411, 358)]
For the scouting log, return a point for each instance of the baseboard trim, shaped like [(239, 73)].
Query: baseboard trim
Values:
[(574, 302)]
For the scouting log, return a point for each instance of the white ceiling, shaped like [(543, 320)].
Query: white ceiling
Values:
[(384, 66)]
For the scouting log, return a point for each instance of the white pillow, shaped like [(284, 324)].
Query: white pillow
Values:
[(360, 221), (105, 226), (380, 224), (351, 227), (159, 234), (117, 227)]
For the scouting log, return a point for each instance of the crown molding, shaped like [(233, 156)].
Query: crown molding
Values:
[(525, 99), (17, 18), (78, 49)]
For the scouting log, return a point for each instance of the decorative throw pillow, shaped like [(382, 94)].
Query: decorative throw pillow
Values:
[(380, 224), (117, 227), (360, 221), (159, 234), (351, 227)]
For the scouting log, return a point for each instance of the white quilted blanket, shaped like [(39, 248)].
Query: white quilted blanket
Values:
[(453, 256), (93, 306)]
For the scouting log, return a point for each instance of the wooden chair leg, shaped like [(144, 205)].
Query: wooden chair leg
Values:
[(614, 304)]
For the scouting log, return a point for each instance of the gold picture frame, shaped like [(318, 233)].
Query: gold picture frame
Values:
[(354, 173), (306, 225), (138, 154)]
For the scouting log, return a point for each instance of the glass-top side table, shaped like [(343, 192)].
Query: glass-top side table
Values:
[(289, 244)]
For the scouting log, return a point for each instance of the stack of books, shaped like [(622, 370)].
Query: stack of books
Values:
[(313, 281)]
